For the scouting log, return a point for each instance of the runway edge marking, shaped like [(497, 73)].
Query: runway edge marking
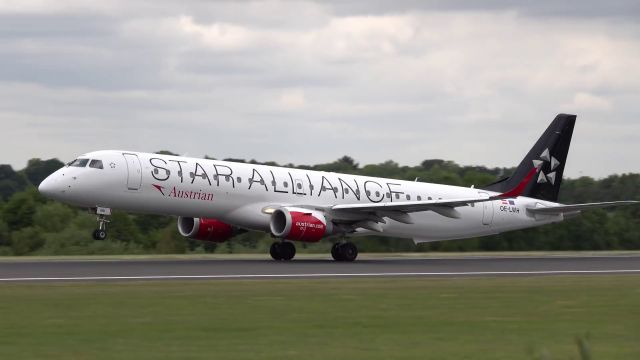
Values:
[(320, 275)]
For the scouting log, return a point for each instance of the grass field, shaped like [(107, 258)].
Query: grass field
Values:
[(418, 318)]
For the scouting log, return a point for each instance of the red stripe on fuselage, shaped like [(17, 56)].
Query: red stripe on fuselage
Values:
[(518, 190)]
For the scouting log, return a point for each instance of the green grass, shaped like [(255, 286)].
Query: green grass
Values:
[(418, 318)]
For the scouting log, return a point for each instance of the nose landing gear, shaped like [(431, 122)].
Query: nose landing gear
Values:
[(101, 232)]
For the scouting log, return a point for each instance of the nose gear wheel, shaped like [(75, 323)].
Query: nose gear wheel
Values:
[(101, 232)]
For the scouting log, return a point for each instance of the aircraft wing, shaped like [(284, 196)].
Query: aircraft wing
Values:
[(561, 209), (444, 207), (411, 206), (370, 216)]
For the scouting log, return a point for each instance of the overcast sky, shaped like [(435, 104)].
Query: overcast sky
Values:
[(306, 82)]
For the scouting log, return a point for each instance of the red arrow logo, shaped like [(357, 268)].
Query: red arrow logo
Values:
[(160, 188)]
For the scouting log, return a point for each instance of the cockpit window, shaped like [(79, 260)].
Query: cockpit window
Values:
[(79, 162), (96, 164)]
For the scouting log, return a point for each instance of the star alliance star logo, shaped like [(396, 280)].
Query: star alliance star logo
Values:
[(546, 158), (112, 165)]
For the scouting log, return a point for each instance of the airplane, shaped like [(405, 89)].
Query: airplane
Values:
[(216, 200)]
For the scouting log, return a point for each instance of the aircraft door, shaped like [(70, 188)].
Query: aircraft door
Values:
[(134, 170), (487, 211)]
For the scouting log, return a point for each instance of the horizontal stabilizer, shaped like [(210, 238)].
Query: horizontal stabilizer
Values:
[(561, 209)]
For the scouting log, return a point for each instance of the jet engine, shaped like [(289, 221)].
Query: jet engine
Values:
[(300, 224), (205, 229)]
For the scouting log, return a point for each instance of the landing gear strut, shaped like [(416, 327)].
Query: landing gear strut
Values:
[(344, 251), (282, 250), (101, 232)]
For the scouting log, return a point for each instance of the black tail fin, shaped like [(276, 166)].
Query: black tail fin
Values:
[(548, 157)]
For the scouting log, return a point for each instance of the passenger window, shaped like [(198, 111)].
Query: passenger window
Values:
[(397, 196), (408, 197), (346, 191), (79, 162), (300, 186), (286, 184), (239, 179), (96, 164), (419, 198), (156, 171)]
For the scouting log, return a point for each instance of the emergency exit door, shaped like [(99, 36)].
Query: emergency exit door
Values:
[(487, 211)]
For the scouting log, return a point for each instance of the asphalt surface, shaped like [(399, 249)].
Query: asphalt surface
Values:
[(158, 270)]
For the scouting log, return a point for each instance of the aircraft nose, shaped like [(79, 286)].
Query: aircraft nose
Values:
[(48, 187)]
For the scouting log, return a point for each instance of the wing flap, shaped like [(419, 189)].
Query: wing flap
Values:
[(412, 206)]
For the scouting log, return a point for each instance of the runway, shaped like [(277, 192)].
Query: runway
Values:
[(157, 270)]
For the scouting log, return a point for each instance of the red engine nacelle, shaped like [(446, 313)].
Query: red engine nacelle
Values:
[(205, 229), (300, 224)]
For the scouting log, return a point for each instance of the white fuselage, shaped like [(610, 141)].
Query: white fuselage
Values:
[(240, 194)]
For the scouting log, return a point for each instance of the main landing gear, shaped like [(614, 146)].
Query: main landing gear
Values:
[(341, 251), (282, 250), (101, 232), (344, 251)]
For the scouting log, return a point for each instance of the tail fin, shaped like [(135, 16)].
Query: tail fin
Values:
[(539, 175)]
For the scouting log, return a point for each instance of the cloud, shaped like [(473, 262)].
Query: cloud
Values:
[(475, 83), (586, 101), (292, 99), (20, 7), (543, 9)]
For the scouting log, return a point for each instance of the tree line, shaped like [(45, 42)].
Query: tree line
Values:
[(33, 225)]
